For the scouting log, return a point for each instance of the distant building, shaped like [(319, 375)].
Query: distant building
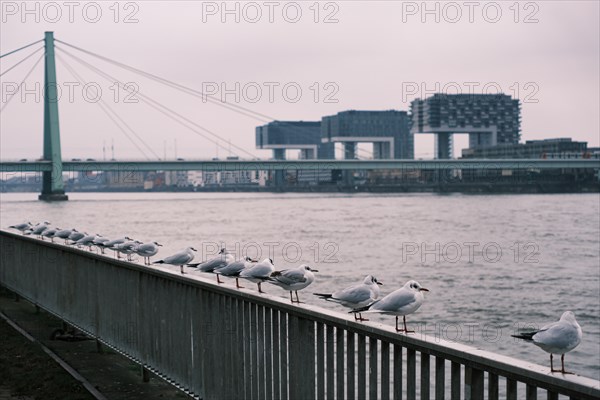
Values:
[(389, 131), (489, 119), (547, 148), (294, 135)]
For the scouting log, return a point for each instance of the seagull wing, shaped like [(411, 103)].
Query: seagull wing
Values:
[(289, 276), (395, 301)]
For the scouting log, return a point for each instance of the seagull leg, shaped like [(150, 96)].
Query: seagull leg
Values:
[(259, 288), (397, 330), (291, 298), (219, 280), (562, 361), (360, 317), (237, 283), (181, 268), (405, 330)]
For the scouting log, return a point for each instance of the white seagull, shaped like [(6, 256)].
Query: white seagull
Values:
[(38, 229), (234, 269), (293, 279), (401, 302), (356, 296), (147, 250), (64, 234), (22, 226), (87, 240), (183, 257), (49, 233), (556, 338), (111, 244), (76, 235), (259, 272), (219, 261)]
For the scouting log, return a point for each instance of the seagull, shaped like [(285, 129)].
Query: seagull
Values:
[(38, 229), (147, 250), (259, 272), (87, 240), (293, 279), (75, 236), (22, 227), (355, 296), (556, 338), (234, 269), (181, 258), (111, 244), (64, 234), (401, 302), (219, 261), (127, 248), (49, 233), (100, 241)]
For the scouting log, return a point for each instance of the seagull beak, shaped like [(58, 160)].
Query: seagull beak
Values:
[(158, 244), (423, 290), (314, 270), (379, 283)]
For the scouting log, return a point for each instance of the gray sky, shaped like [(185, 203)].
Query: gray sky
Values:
[(370, 55)]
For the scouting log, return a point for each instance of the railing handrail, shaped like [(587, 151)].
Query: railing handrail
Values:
[(498, 364)]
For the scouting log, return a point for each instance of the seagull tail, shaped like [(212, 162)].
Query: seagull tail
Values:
[(323, 295), (361, 309), (525, 335), (194, 265), (159, 262)]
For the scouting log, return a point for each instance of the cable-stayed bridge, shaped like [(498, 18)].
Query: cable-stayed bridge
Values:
[(52, 166)]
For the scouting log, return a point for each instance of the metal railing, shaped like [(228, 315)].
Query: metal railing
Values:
[(218, 342)]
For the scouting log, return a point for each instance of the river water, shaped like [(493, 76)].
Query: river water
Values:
[(492, 263)]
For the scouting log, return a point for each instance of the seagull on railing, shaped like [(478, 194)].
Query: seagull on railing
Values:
[(111, 244), (38, 229), (556, 338), (259, 272), (99, 241), (219, 261), (182, 258), (147, 250), (401, 302), (356, 296), (76, 235), (234, 270), (64, 234), (49, 233), (87, 240), (293, 279), (22, 227), (127, 248)]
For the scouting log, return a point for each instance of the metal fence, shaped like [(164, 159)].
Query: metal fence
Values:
[(217, 342)]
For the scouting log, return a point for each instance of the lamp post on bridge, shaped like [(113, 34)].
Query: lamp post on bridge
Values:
[(52, 181)]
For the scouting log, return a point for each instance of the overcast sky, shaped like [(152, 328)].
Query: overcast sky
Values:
[(329, 57)]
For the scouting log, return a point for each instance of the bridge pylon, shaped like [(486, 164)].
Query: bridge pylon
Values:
[(52, 181)]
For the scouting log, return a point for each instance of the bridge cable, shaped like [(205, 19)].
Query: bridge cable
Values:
[(162, 108), (106, 108), (21, 48), (24, 59), (196, 93), (21, 84)]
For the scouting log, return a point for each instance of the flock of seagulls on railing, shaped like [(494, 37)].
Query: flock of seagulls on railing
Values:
[(556, 338)]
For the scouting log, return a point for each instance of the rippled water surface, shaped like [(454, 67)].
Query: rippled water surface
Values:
[(492, 263)]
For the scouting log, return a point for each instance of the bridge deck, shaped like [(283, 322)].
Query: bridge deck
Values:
[(220, 342)]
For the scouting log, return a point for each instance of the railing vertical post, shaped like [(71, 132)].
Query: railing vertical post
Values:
[(276, 369), (411, 374), (552, 396), (531, 392), (253, 351), (511, 389), (260, 350), (440, 378), (455, 381), (320, 361), (473, 383), (283, 348), (350, 366), (385, 371), (425, 372), (330, 385), (362, 368), (339, 362), (397, 372), (492, 386), (302, 358), (248, 371), (268, 354), (373, 373)]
